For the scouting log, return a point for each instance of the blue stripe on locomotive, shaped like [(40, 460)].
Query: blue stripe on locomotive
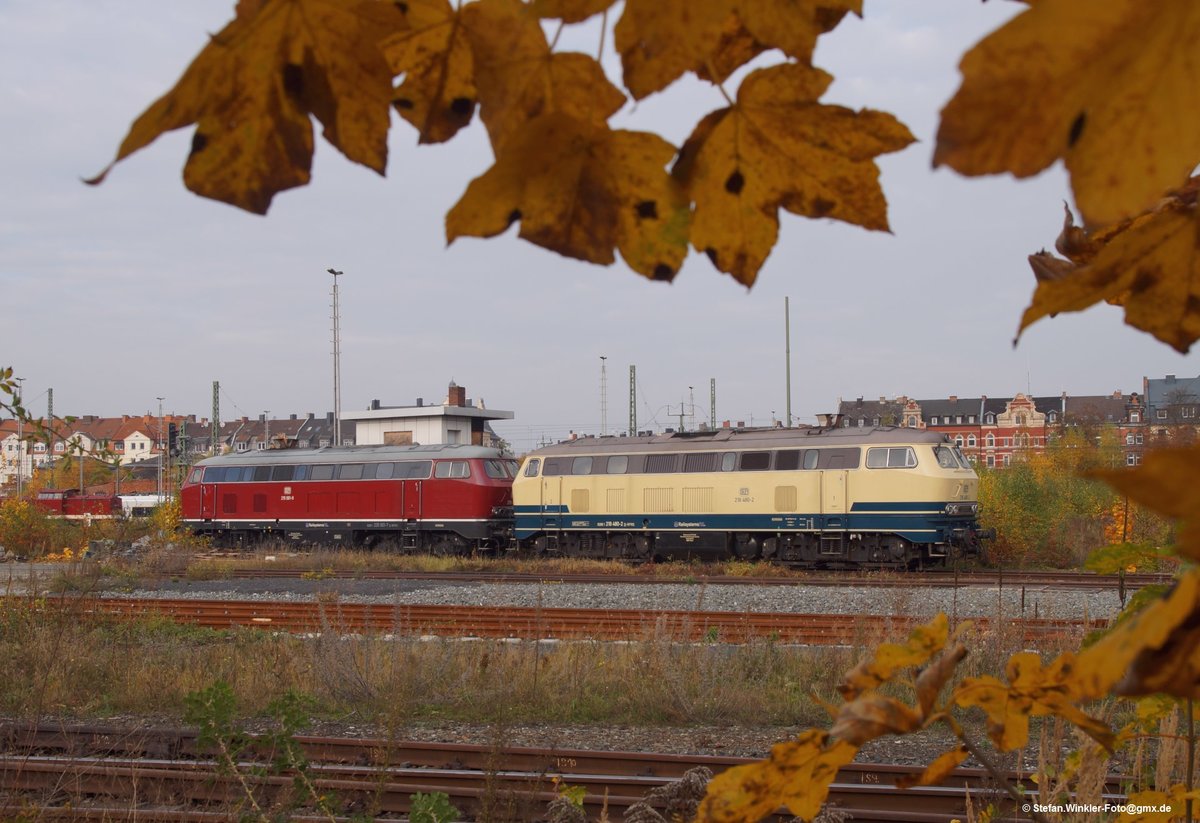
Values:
[(919, 522)]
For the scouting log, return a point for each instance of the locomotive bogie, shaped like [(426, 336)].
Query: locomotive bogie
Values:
[(837, 498)]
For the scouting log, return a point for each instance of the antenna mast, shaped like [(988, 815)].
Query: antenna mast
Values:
[(603, 395)]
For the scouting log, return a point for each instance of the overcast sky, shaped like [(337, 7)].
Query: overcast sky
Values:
[(137, 289)]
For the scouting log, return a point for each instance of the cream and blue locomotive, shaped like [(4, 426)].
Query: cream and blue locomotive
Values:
[(838, 498)]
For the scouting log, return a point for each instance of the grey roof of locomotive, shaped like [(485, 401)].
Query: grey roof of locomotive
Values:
[(350, 454), (731, 439)]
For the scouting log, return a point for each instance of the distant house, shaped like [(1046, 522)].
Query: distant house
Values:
[(996, 431), (458, 420)]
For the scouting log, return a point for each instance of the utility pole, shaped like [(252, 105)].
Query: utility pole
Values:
[(603, 395), (20, 381), (633, 401), (337, 363), (266, 428), (712, 403), (50, 418), (161, 449), (214, 431)]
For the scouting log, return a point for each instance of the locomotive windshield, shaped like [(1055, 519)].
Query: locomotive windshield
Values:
[(945, 457)]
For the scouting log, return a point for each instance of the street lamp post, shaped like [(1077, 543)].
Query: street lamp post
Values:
[(337, 363)]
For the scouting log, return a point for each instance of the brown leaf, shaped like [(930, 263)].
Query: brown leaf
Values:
[(778, 147), (519, 78), (1151, 267), (873, 715), (570, 11), (252, 89), (437, 95), (934, 676), (797, 774), (582, 190), (938, 770), (1110, 89), (923, 642), (660, 40)]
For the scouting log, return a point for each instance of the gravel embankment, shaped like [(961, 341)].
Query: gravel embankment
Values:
[(966, 601)]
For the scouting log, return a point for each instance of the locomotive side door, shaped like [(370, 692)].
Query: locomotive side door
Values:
[(208, 501), (833, 497)]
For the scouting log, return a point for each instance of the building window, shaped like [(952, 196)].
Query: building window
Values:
[(912, 421), (1129, 439), (1135, 417), (1052, 417), (958, 440), (862, 421), (1139, 438), (991, 442), (1007, 442), (991, 461), (1188, 411), (1020, 420), (846, 423), (1130, 459), (875, 422), (1008, 459), (990, 419), (971, 419), (933, 421), (971, 441)]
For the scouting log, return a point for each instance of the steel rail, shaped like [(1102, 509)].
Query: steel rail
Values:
[(526, 623), (391, 790), (921, 579)]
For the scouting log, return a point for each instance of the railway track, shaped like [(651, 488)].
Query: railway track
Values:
[(90, 769), (887, 580), (524, 623)]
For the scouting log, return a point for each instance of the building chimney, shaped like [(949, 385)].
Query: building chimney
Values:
[(954, 398), (375, 405), (457, 396), (1117, 394), (741, 424), (420, 402)]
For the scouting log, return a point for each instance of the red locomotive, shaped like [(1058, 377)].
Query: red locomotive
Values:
[(73, 504), (441, 498)]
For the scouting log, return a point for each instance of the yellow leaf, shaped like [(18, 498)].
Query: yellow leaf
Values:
[(570, 11), (923, 642), (252, 89), (777, 146), (1152, 651), (873, 715), (660, 40), (582, 190), (793, 26), (519, 78), (1110, 86), (1152, 268), (938, 770), (1168, 482), (437, 95), (797, 774), (1031, 691)]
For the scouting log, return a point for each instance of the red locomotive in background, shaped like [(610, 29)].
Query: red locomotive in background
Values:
[(75, 505), (438, 498)]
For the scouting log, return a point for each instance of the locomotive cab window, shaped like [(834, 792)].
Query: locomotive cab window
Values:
[(495, 469), (322, 471), (728, 461), (282, 472), (384, 471), (945, 457), (262, 473), (531, 468), (810, 458), (897, 457), (581, 465)]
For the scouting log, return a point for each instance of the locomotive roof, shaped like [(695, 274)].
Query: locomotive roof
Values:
[(351, 454), (742, 439)]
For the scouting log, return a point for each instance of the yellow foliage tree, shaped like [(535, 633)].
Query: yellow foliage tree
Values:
[(1110, 87)]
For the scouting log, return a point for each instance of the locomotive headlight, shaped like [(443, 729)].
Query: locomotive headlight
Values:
[(962, 508)]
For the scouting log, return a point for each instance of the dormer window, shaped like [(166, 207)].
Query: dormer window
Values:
[(990, 419), (1135, 417), (933, 421)]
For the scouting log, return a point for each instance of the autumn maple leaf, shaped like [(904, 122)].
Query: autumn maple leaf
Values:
[(777, 146), (252, 89), (582, 190), (1110, 86)]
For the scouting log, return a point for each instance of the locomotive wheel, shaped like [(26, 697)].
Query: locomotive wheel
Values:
[(745, 546), (447, 545)]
